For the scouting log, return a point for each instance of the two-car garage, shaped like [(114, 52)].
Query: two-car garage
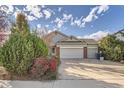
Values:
[(78, 52), (75, 48)]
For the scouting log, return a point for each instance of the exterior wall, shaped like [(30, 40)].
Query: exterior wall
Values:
[(50, 51), (58, 51), (92, 45), (119, 36)]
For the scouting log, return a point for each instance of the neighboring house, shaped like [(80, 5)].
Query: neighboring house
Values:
[(120, 35), (69, 46), (3, 37)]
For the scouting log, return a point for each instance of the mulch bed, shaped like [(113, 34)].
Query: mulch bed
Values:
[(5, 75)]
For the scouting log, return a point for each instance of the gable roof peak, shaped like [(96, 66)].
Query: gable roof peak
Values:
[(120, 31)]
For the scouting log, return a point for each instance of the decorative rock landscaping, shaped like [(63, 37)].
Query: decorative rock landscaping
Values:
[(4, 75)]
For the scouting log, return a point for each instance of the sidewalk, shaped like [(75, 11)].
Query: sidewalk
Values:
[(62, 84)]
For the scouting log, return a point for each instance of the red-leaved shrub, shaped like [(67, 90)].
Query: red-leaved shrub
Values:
[(44, 68), (53, 64), (40, 67)]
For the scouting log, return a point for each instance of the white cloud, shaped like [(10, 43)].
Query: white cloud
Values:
[(35, 10), (97, 35), (60, 9), (7, 8), (79, 37), (76, 22), (47, 14), (54, 29), (60, 21), (47, 26), (31, 18), (91, 15), (49, 31), (102, 8), (82, 25), (43, 6), (10, 9), (57, 20), (38, 25), (67, 17), (94, 13)]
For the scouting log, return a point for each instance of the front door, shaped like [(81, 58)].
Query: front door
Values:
[(85, 52)]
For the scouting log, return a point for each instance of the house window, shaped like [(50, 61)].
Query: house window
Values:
[(53, 50)]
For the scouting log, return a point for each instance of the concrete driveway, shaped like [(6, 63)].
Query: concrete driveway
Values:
[(76, 73), (106, 73)]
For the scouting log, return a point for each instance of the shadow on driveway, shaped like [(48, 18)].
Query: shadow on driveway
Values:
[(105, 72)]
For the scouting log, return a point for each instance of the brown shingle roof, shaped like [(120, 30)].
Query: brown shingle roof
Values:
[(73, 39), (89, 41), (48, 38)]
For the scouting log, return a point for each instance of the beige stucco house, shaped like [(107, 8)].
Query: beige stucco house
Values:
[(70, 47)]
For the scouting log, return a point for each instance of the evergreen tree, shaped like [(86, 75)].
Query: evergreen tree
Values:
[(21, 24)]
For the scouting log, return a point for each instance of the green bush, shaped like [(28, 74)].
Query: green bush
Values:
[(112, 48), (18, 53)]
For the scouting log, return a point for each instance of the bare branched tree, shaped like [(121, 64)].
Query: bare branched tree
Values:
[(3, 20), (41, 32)]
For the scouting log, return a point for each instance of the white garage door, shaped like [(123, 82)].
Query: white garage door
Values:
[(91, 52), (71, 52)]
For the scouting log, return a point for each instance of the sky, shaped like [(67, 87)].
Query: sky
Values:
[(82, 21)]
